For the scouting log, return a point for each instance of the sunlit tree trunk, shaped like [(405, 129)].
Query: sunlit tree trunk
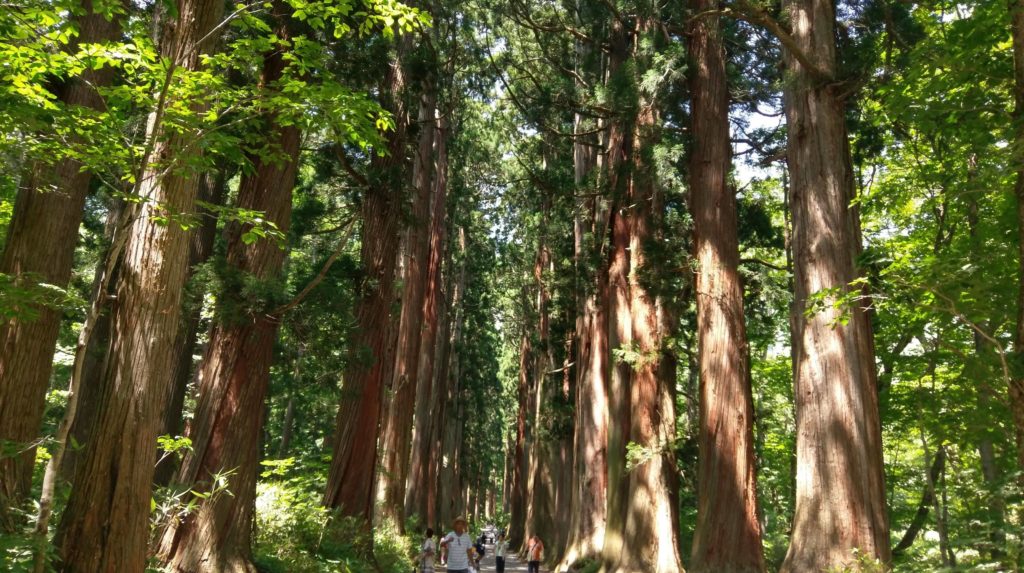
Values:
[(105, 524), (353, 465), (421, 493), (728, 535), (395, 444), (840, 496), (40, 247), (235, 372), (589, 461)]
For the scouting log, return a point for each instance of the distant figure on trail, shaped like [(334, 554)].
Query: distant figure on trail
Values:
[(499, 553), (534, 554), (427, 550), (479, 547), (460, 547)]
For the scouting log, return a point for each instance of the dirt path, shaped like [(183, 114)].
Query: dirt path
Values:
[(512, 563)]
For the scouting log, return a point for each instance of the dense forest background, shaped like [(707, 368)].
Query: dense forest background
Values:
[(729, 285)]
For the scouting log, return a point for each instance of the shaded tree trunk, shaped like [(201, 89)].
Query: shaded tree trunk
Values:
[(235, 372), (727, 537), (95, 355), (396, 440), (353, 464), (517, 523), (105, 523), (212, 190), (927, 501), (40, 247), (619, 155), (840, 496), (1016, 390), (420, 490)]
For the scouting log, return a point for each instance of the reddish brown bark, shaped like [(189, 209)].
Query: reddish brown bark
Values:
[(92, 362), (212, 190), (620, 324), (728, 535), (353, 464), (421, 491), (235, 373), (105, 523), (395, 445), (840, 497), (40, 248), (651, 525), (517, 523)]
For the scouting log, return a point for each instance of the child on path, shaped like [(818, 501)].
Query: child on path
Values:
[(534, 554), (426, 556)]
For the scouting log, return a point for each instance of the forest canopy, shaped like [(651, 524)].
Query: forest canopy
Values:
[(715, 285)]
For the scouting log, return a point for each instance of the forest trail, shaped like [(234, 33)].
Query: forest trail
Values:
[(512, 563)]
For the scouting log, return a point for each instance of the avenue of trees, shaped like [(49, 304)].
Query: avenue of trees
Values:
[(728, 286)]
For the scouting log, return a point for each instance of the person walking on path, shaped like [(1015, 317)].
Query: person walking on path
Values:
[(427, 550), (459, 545), (499, 553), (534, 554)]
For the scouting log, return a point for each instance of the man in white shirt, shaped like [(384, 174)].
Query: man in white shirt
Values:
[(499, 553), (459, 546)]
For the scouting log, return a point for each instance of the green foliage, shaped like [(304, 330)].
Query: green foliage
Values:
[(295, 533)]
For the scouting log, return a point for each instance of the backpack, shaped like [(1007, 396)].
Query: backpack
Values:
[(480, 549)]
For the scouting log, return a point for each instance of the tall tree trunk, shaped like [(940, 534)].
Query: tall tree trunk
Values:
[(619, 155), (396, 440), (235, 372), (354, 460), (927, 501), (520, 468), (1016, 390), (840, 497), (446, 387), (40, 248), (728, 534), (105, 523), (651, 525), (589, 457), (212, 190), (420, 490), (95, 355)]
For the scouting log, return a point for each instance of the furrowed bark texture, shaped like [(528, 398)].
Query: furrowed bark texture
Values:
[(40, 248), (620, 324), (212, 189), (421, 495), (517, 524), (651, 517), (397, 437), (235, 374), (353, 464), (840, 489), (728, 535), (589, 461), (105, 525)]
